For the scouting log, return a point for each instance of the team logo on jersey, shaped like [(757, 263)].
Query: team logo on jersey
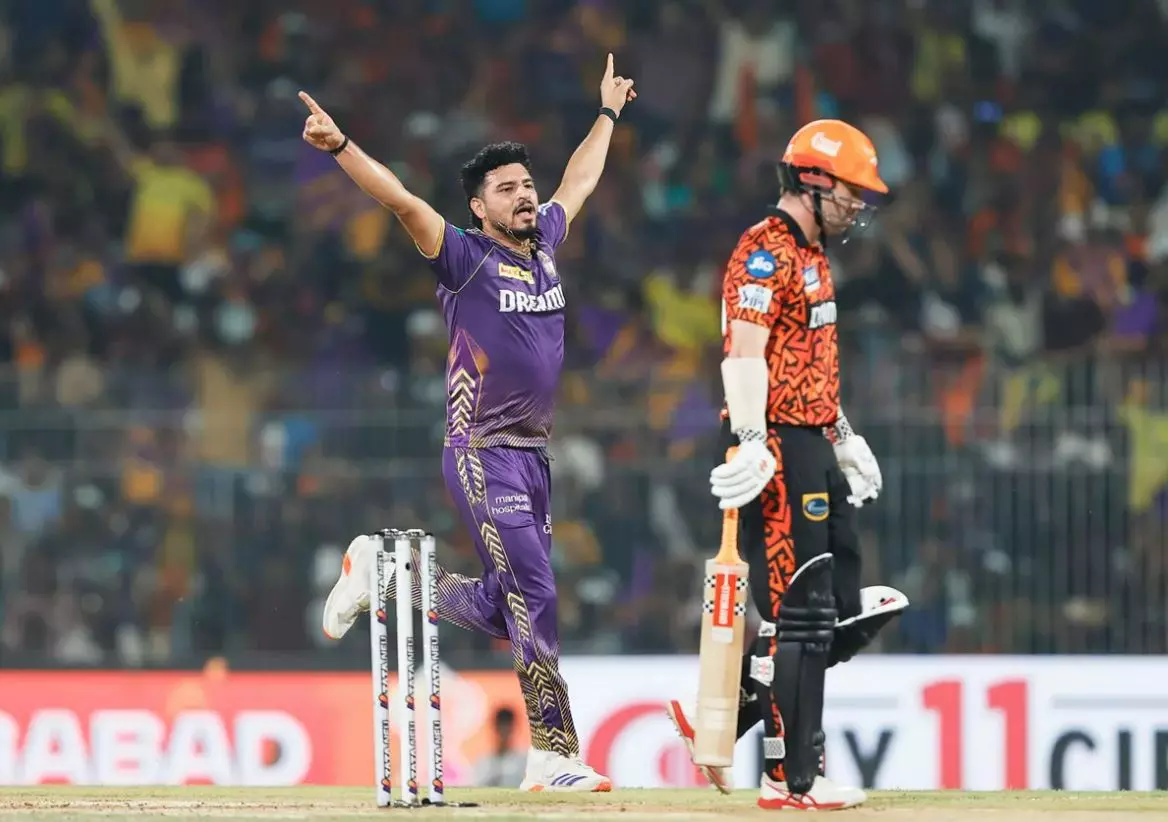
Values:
[(822, 314), (548, 264), (754, 297), (514, 272), (815, 507), (524, 303), (811, 279), (761, 264)]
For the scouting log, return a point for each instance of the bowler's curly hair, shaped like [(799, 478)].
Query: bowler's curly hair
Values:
[(489, 158)]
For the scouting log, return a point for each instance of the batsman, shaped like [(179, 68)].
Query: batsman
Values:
[(798, 469)]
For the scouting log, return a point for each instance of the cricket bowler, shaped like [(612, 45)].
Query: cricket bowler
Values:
[(503, 303), (799, 468)]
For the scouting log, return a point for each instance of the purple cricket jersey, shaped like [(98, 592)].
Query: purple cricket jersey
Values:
[(504, 311)]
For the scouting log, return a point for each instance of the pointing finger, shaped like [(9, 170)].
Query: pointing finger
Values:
[(312, 104), (608, 68)]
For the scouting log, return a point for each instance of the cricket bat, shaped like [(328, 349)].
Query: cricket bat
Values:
[(724, 592)]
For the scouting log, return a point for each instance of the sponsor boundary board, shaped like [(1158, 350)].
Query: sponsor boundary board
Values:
[(980, 723)]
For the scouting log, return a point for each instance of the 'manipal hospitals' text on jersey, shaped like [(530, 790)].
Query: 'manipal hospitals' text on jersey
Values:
[(504, 312), (779, 280)]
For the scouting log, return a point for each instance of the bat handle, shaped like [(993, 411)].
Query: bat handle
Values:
[(729, 531), (728, 551)]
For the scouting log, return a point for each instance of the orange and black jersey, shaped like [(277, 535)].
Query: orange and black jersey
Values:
[(779, 280)]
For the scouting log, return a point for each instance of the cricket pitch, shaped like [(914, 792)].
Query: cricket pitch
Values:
[(326, 804)]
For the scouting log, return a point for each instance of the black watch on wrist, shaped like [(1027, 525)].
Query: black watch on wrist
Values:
[(609, 113)]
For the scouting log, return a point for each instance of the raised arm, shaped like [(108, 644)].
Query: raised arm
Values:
[(587, 162), (420, 220)]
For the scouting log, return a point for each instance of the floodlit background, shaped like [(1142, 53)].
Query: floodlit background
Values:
[(220, 361)]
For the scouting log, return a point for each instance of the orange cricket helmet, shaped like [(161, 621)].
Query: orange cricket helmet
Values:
[(838, 149)]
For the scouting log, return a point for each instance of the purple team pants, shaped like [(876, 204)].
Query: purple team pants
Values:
[(503, 496)]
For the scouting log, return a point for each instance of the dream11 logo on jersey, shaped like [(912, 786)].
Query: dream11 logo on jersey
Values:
[(524, 303)]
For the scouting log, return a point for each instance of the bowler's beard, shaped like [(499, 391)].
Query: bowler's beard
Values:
[(519, 233), (525, 232)]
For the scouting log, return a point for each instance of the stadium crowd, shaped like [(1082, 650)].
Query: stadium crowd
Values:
[(221, 361)]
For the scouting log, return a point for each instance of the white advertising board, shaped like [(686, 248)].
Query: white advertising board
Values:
[(940, 722)]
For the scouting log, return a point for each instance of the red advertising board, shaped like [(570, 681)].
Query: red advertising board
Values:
[(221, 727)]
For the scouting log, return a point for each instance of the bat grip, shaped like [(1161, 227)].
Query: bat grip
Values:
[(729, 530), (728, 550)]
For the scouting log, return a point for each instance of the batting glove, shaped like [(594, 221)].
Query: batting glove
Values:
[(859, 467), (739, 481)]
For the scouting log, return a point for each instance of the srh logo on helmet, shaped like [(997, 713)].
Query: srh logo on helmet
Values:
[(825, 145)]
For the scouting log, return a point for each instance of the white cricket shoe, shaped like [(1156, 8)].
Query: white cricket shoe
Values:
[(825, 795), (350, 596), (549, 771), (678, 715)]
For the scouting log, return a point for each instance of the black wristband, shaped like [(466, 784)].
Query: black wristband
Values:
[(609, 113), (344, 145)]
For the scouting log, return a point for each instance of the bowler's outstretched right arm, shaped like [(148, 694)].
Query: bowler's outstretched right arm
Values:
[(420, 220)]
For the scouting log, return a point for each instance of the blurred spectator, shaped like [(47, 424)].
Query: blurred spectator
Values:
[(506, 763), (35, 493), (942, 600)]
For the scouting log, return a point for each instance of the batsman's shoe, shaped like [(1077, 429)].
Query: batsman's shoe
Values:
[(548, 771), (350, 596), (824, 795), (716, 775)]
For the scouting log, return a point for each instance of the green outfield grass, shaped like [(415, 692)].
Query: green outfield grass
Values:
[(322, 804)]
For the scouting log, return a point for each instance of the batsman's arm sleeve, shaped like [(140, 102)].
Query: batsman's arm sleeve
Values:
[(752, 293), (745, 382)]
